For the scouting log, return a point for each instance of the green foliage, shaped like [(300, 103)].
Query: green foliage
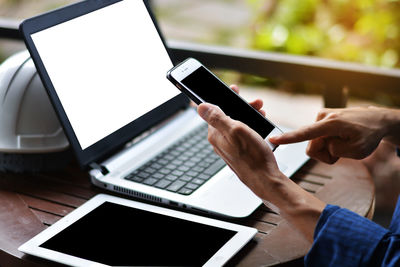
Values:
[(365, 31)]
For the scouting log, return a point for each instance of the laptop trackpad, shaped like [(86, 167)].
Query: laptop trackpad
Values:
[(228, 195)]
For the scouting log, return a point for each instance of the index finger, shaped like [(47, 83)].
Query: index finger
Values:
[(318, 129)]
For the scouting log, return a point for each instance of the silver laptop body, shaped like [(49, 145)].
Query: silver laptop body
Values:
[(224, 194), (103, 64)]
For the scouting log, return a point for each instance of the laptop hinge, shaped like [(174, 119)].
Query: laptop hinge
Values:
[(101, 168)]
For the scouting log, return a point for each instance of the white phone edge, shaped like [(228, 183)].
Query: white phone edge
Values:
[(184, 69), (274, 132)]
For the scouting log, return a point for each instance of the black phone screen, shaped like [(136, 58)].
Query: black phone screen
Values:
[(213, 91)]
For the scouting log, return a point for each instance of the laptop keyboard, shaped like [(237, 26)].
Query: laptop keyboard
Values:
[(182, 167)]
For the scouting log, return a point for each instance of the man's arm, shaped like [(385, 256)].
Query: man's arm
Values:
[(343, 238)]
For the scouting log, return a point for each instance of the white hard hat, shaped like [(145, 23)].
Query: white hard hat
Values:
[(28, 124)]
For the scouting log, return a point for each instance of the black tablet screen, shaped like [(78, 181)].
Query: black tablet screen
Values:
[(118, 235)]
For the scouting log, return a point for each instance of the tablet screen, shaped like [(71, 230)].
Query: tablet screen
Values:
[(119, 235)]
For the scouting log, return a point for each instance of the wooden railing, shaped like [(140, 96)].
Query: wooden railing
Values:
[(334, 76)]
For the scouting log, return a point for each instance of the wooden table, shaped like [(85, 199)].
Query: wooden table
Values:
[(30, 203)]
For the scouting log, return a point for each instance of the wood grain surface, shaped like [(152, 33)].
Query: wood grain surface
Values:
[(31, 203)]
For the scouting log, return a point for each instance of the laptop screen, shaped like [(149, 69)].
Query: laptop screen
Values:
[(107, 67), (103, 63)]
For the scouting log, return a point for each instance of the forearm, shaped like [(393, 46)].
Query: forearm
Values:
[(298, 207)]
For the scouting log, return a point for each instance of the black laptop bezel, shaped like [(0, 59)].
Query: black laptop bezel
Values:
[(115, 141)]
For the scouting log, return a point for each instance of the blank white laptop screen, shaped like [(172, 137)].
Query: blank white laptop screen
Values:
[(103, 89)]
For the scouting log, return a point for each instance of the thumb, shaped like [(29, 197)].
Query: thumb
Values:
[(214, 116)]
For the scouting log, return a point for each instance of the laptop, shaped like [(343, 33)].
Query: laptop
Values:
[(103, 64)]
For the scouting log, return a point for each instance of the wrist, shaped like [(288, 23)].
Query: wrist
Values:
[(301, 202), (298, 207), (288, 196), (391, 125)]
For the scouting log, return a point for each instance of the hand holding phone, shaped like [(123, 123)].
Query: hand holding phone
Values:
[(202, 86)]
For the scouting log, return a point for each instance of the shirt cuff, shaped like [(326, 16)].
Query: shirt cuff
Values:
[(343, 238)]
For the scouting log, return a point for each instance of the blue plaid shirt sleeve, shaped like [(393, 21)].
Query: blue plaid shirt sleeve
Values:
[(343, 238)]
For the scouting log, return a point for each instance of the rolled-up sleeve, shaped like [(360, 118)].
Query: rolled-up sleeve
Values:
[(343, 238)]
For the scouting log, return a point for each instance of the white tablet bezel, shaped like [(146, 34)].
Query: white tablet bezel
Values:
[(242, 237)]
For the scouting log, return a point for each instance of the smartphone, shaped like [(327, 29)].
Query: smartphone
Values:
[(201, 85)]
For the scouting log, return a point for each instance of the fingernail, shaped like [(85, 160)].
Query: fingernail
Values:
[(274, 137)]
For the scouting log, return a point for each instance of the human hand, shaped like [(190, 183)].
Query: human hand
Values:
[(245, 151), (351, 133), (249, 156)]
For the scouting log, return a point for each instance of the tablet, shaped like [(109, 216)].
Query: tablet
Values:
[(108, 230)]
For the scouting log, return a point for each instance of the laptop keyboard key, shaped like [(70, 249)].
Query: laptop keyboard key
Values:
[(171, 177), (162, 184), (169, 157), (165, 171), (198, 169), (192, 186), (137, 179), (134, 178), (181, 149), (204, 176), (158, 176), (130, 176), (192, 173), (198, 181), (156, 166), (171, 166), (209, 160), (195, 159), (175, 186), (178, 173), (204, 164), (216, 166), (163, 161), (150, 181), (177, 162), (150, 170), (143, 174), (176, 153), (183, 158), (185, 191), (184, 168), (188, 154), (186, 178), (190, 164)]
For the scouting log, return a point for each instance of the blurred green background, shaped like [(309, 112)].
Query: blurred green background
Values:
[(362, 31)]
